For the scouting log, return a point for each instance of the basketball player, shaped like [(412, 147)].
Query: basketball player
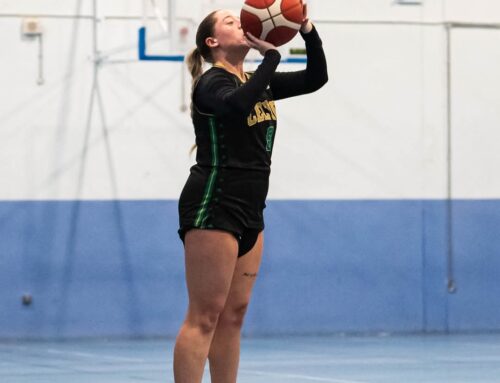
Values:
[(221, 205)]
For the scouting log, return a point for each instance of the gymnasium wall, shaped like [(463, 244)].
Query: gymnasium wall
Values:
[(358, 224)]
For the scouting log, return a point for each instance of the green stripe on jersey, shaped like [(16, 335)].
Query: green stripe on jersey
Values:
[(202, 214), (270, 138)]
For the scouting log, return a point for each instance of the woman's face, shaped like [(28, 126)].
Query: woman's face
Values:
[(228, 32)]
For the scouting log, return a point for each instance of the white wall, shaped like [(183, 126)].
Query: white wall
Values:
[(476, 113), (377, 130)]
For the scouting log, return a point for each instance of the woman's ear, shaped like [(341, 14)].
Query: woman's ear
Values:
[(211, 42)]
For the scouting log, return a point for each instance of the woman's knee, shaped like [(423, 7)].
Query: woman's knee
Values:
[(233, 315), (205, 318)]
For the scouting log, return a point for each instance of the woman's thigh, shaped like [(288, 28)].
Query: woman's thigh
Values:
[(210, 259), (245, 274)]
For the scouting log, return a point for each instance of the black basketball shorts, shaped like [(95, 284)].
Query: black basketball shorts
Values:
[(231, 200)]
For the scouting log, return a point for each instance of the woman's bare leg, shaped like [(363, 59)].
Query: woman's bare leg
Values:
[(224, 354), (210, 263)]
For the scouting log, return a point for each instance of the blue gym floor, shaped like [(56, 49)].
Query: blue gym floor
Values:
[(336, 359)]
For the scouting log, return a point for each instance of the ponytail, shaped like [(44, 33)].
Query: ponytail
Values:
[(194, 61)]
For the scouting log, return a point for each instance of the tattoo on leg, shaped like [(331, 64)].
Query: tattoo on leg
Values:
[(250, 275)]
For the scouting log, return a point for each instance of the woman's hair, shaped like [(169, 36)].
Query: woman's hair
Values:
[(202, 51)]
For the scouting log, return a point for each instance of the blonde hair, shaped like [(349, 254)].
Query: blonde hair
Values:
[(194, 61)]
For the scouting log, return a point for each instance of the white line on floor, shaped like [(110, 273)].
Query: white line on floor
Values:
[(95, 356), (303, 377), (332, 361)]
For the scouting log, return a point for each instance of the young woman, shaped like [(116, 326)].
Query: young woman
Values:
[(221, 205)]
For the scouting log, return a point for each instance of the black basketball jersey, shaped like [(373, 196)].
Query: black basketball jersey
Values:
[(235, 123), (229, 133)]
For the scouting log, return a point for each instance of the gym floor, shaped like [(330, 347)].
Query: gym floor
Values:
[(335, 359)]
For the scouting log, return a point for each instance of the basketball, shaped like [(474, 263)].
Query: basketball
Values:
[(276, 21)]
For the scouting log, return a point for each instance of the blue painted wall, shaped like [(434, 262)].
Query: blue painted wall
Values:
[(104, 268)]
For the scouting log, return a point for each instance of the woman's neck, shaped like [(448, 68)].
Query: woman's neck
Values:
[(233, 66)]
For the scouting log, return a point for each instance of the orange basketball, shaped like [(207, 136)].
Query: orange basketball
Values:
[(276, 21)]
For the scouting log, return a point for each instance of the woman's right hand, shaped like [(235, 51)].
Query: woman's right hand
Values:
[(256, 43)]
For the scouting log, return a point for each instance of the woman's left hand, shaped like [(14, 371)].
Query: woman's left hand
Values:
[(306, 26), (261, 45)]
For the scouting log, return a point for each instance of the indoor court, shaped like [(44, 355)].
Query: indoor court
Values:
[(381, 248), (330, 359)]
